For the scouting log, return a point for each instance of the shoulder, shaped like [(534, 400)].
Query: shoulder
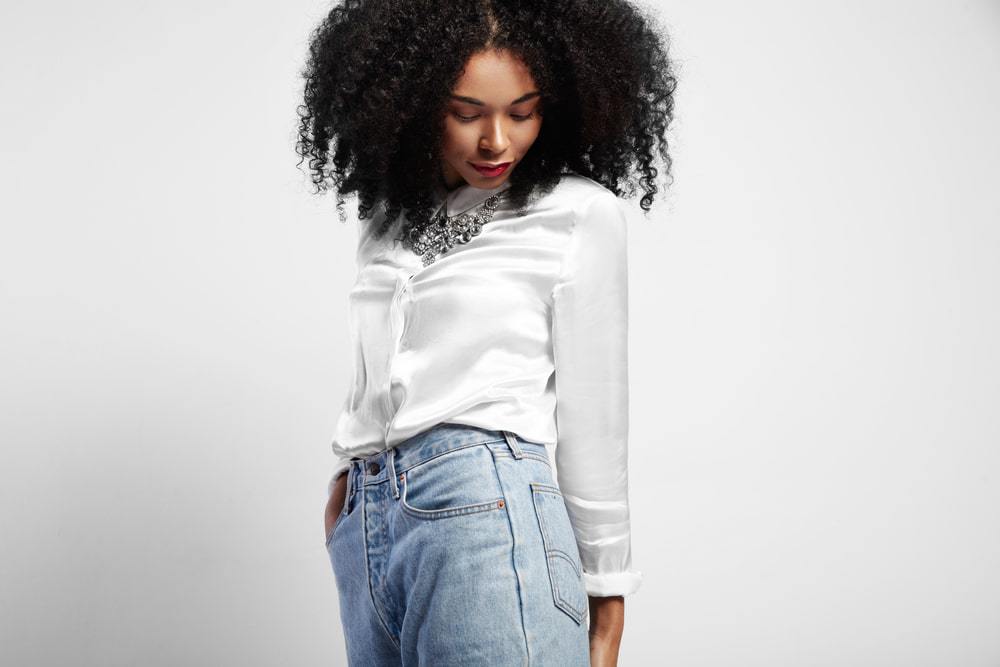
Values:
[(588, 202), (580, 200), (595, 211), (578, 189), (598, 238)]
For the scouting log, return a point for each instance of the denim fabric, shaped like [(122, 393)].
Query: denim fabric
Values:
[(455, 548)]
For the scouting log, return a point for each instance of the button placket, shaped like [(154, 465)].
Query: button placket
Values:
[(397, 326)]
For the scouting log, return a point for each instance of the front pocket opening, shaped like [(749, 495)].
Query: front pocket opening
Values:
[(336, 524), (345, 510), (452, 484)]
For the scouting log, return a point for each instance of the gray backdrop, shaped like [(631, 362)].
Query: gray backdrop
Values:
[(815, 429)]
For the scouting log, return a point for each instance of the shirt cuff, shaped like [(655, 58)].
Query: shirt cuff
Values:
[(612, 583), (339, 469)]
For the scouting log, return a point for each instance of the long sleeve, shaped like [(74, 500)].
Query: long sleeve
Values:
[(590, 344)]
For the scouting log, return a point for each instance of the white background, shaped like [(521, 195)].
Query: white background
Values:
[(814, 317)]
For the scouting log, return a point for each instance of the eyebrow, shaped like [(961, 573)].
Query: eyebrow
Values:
[(473, 100)]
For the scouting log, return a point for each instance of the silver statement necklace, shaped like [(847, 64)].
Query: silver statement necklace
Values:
[(443, 233)]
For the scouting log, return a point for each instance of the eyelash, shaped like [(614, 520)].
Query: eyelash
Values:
[(469, 119)]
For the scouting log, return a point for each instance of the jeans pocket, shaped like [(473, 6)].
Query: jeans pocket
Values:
[(336, 524), (562, 555), (345, 510), (458, 482)]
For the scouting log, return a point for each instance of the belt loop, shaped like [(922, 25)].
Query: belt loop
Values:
[(515, 448), (392, 472)]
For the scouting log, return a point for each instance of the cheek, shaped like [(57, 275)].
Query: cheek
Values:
[(530, 134), (453, 139)]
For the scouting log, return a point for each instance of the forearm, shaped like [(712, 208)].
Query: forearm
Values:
[(607, 623)]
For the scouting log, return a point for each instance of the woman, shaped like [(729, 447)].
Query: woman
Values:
[(486, 142)]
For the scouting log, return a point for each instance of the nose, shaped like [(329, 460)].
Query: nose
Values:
[(494, 141)]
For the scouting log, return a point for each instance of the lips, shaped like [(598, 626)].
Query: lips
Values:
[(491, 171)]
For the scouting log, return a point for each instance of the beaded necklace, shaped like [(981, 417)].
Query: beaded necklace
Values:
[(442, 233)]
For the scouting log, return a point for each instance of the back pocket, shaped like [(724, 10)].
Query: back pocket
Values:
[(562, 555)]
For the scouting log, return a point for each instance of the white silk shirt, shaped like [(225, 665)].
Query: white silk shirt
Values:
[(524, 328)]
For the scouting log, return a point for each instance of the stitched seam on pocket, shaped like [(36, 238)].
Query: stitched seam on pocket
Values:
[(344, 511), (452, 511), (336, 524), (552, 553), (444, 513), (559, 553), (547, 539), (541, 486), (577, 612)]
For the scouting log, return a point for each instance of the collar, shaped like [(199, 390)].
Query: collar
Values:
[(465, 197)]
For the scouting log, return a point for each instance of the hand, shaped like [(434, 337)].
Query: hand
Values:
[(607, 622), (335, 504)]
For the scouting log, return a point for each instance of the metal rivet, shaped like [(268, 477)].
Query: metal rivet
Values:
[(500, 503)]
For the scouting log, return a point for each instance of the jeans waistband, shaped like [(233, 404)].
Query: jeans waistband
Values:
[(444, 437)]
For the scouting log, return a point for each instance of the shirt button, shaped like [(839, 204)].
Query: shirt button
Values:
[(374, 468)]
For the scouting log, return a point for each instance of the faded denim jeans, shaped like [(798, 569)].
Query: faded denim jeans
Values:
[(455, 548)]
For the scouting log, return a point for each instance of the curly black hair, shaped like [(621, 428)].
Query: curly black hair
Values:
[(379, 74)]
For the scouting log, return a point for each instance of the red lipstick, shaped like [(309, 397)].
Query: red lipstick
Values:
[(491, 171)]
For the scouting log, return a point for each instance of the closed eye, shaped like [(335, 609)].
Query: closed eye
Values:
[(469, 119)]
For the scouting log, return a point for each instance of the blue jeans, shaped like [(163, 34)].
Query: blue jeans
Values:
[(455, 548)]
